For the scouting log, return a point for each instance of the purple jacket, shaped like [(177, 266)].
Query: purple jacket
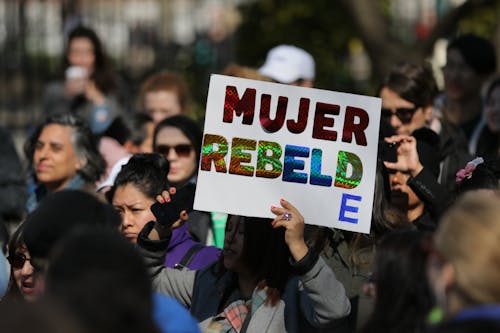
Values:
[(179, 245)]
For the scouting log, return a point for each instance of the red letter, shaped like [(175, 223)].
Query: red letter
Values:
[(244, 105), (320, 121), (267, 123), (351, 128), (300, 125)]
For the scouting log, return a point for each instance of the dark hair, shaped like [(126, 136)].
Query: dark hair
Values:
[(265, 253), (493, 85), (485, 176), (131, 129), (187, 126), (16, 241), (403, 295), (165, 81), (414, 83), (137, 125), (98, 276), (84, 144), (147, 172), (102, 75), (58, 214), (478, 52)]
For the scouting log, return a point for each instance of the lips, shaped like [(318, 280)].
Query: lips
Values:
[(131, 235), (27, 287), (42, 167)]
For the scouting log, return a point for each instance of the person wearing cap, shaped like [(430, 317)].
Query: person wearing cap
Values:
[(289, 64)]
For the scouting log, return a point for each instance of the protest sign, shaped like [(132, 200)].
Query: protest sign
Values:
[(265, 141)]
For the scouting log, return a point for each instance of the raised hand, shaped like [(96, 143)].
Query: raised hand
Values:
[(288, 217)]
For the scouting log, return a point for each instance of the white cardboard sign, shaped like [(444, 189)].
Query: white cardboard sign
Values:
[(265, 141)]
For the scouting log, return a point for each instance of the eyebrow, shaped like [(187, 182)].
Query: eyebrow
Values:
[(52, 143)]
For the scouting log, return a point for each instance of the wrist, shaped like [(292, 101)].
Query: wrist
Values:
[(416, 170), (298, 250)]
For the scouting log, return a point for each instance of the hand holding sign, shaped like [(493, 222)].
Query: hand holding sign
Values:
[(290, 218), (265, 140)]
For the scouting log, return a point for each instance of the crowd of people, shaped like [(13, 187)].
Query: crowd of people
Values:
[(83, 249)]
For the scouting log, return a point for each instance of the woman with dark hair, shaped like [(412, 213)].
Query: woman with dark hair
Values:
[(22, 272), (470, 61), (89, 87), (403, 297), (63, 155), (267, 279), (133, 193), (179, 138)]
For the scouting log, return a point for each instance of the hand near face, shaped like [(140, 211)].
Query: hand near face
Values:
[(290, 218), (408, 160), (160, 231)]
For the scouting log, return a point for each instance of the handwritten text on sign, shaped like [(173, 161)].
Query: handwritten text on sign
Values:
[(265, 141)]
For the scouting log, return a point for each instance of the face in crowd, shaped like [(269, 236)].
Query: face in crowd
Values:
[(55, 159), (180, 153), (23, 273), (493, 109), (81, 53), (460, 80), (162, 104), (233, 244), (134, 208), (404, 116), (408, 200)]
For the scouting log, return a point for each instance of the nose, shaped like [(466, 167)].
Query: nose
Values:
[(127, 220), (27, 269), (395, 122), (396, 179), (171, 155)]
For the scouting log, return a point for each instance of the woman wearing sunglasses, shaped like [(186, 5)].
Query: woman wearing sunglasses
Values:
[(179, 138), (408, 94), (22, 272)]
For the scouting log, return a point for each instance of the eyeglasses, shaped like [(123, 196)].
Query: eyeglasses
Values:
[(404, 114), (182, 150), (17, 260)]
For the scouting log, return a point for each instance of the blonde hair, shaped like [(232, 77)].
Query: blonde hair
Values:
[(469, 238)]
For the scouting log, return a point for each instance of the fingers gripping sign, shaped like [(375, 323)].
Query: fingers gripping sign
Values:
[(288, 217)]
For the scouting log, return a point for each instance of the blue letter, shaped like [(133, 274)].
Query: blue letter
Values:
[(345, 208), (291, 164), (316, 177)]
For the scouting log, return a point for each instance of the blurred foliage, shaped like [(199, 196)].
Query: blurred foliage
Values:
[(321, 27), (482, 21)]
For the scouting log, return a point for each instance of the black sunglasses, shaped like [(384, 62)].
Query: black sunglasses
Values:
[(182, 150), (17, 260), (404, 114)]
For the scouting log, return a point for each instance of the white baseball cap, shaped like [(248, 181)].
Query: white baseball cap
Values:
[(287, 64)]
